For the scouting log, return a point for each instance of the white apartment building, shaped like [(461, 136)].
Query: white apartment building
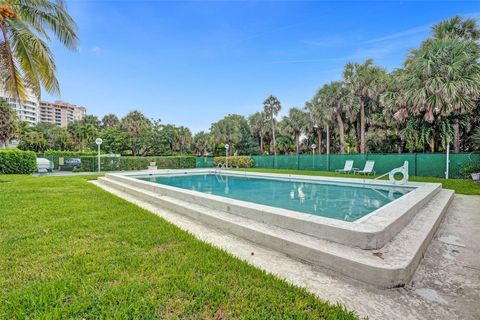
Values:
[(33, 111), (60, 113), (27, 110)]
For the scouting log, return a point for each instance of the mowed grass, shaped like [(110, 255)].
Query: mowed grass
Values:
[(461, 186), (69, 250)]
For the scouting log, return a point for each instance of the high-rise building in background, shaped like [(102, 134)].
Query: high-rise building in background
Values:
[(27, 110), (33, 111), (60, 113)]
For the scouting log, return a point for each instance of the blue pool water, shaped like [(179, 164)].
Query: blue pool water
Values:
[(347, 202)]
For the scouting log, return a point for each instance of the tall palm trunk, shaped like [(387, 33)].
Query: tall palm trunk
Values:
[(273, 134), (341, 133), (357, 133), (328, 139), (456, 142), (432, 144), (319, 133), (297, 141), (362, 126)]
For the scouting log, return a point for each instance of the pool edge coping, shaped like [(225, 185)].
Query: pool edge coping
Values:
[(372, 231)]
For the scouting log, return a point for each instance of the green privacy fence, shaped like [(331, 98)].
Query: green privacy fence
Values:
[(204, 162), (420, 164)]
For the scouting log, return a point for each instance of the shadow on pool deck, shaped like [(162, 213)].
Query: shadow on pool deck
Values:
[(445, 286)]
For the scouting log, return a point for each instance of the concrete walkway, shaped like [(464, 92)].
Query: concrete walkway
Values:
[(445, 286)]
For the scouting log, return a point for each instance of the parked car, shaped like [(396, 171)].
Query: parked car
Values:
[(70, 163), (44, 165)]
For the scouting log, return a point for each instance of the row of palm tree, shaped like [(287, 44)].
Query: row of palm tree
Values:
[(432, 99)]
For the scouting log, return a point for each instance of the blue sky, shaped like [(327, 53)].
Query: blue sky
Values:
[(191, 63)]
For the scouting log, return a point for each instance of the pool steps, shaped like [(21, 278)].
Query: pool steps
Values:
[(390, 266)]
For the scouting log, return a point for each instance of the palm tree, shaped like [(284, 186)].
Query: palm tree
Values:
[(294, 124), (366, 83), (137, 126), (85, 132), (457, 28), (26, 62), (257, 127), (272, 107), (110, 120), (228, 130), (184, 140), (201, 141), (442, 80), (315, 120), (9, 125), (335, 100), (476, 138)]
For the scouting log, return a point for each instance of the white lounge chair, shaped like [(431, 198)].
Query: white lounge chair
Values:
[(368, 169), (348, 167)]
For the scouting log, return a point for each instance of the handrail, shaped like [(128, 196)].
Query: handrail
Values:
[(391, 175)]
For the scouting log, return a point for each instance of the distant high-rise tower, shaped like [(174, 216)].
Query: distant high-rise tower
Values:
[(60, 113), (27, 110)]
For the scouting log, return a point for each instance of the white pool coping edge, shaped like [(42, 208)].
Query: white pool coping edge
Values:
[(372, 231)]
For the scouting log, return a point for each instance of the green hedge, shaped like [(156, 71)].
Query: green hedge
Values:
[(17, 162), (54, 155), (135, 163), (236, 161)]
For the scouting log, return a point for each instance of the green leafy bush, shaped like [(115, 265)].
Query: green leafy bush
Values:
[(17, 162), (89, 163), (236, 161), (469, 169)]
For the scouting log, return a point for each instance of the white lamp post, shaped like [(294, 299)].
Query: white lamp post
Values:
[(98, 141), (447, 161), (313, 146), (226, 154)]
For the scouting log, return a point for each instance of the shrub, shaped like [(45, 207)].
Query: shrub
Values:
[(469, 169), (89, 163), (235, 161), (17, 162)]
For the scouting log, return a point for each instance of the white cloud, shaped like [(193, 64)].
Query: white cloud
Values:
[(402, 34), (328, 41), (96, 50)]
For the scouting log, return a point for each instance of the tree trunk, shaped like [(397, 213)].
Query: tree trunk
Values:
[(362, 127), (297, 141), (328, 139), (456, 142), (357, 133), (273, 134), (341, 133), (319, 132), (432, 144), (261, 144)]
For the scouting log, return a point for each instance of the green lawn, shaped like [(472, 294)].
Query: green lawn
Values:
[(70, 250), (461, 186)]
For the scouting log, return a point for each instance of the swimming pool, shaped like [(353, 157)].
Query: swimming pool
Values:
[(322, 220), (341, 201)]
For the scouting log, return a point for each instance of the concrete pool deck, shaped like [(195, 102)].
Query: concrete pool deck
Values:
[(446, 285)]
